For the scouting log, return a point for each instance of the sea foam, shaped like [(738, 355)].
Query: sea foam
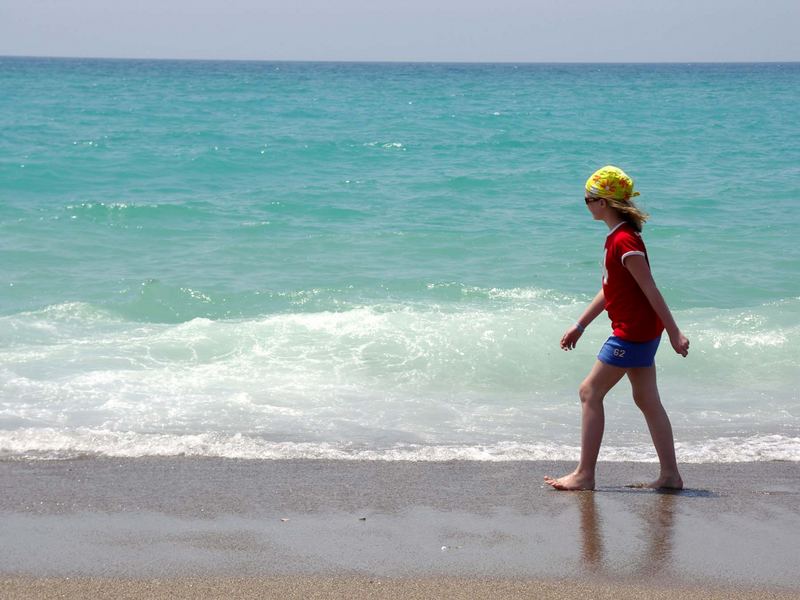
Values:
[(54, 444), (476, 378)]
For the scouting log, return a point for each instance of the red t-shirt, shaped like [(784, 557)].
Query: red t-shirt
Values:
[(632, 317)]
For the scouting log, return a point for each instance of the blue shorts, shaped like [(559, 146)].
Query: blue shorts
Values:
[(628, 355)]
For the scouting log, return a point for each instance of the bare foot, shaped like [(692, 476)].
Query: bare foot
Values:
[(665, 482), (573, 481)]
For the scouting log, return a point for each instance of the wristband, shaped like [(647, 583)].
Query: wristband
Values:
[(580, 327)]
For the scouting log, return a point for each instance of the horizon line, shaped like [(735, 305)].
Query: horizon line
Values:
[(397, 61)]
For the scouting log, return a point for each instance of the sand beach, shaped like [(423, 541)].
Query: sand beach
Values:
[(217, 528)]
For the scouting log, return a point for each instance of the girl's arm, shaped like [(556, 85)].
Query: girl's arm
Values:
[(638, 267), (596, 306)]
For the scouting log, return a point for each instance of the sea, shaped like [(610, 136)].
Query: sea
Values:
[(376, 261)]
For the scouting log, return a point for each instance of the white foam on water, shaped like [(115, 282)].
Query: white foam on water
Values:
[(61, 444), (480, 379)]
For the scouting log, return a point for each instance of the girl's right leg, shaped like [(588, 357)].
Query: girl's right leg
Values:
[(592, 391), (645, 394)]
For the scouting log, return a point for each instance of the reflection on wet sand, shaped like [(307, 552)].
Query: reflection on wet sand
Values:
[(657, 518), (592, 540)]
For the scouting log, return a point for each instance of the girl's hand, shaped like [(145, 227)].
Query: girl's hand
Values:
[(680, 343), (570, 338)]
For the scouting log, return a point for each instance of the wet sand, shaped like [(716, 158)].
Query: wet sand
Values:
[(216, 528)]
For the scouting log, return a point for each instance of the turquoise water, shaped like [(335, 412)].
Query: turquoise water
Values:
[(378, 260)]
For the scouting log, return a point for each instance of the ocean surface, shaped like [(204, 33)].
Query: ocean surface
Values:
[(377, 261)]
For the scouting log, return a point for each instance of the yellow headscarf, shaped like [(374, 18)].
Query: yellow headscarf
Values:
[(610, 183)]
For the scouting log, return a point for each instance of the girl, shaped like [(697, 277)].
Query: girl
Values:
[(638, 315)]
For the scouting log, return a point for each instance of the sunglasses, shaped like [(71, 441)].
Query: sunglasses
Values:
[(589, 200)]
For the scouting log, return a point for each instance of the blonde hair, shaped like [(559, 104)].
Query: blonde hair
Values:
[(630, 213)]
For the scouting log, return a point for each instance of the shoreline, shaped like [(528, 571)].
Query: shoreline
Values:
[(122, 525)]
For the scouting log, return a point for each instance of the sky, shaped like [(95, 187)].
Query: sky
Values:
[(406, 30)]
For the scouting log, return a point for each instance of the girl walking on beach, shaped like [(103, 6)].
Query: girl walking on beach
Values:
[(638, 315)]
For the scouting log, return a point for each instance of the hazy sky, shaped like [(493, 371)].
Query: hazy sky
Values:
[(413, 30)]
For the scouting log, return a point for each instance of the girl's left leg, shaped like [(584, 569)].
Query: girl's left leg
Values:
[(592, 392), (645, 394)]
